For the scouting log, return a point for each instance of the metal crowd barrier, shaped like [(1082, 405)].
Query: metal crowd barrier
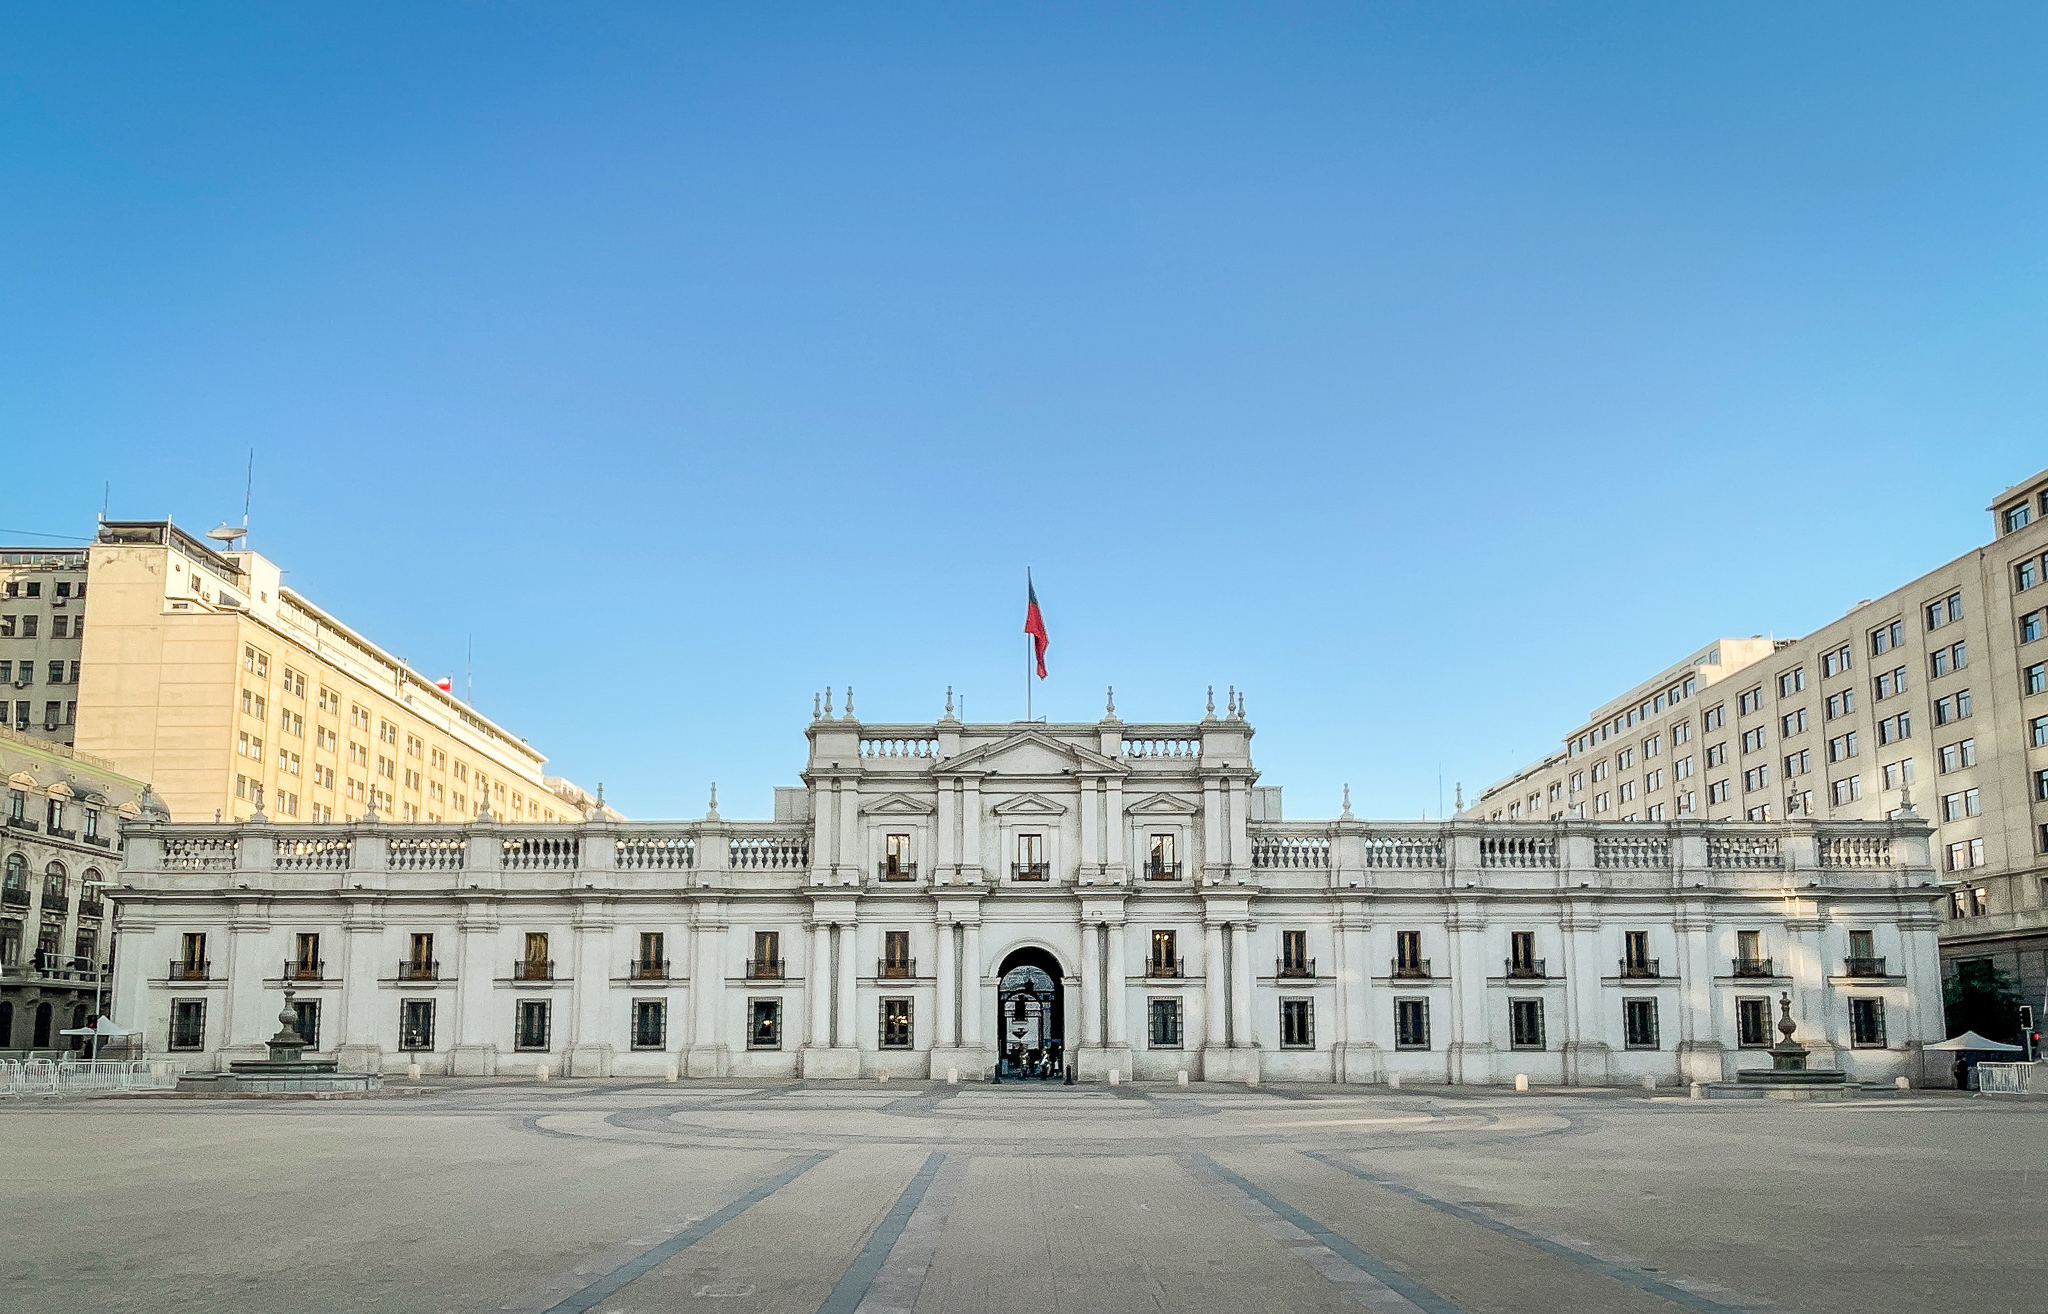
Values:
[(76, 1076), (2009, 1079)]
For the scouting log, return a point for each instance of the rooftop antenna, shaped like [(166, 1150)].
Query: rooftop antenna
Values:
[(226, 534), (469, 671)]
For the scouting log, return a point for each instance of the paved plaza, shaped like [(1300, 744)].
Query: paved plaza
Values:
[(638, 1198)]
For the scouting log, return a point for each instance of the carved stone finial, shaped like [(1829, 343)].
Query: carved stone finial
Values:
[(1786, 1026), (849, 702), (712, 813), (1459, 797), (1230, 707), (828, 702), (1210, 714), (814, 707), (287, 1045), (1906, 808), (1240, 707), (369, 812), (949, 702), (1347, 799), (1109, 710)]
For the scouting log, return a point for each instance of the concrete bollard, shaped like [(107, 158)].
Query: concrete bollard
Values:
[(675, 1071), (952, 1076), (1182, 1076), (1521, 1083), (412, 1072), (1903, 1083), (1115, 1076), (882, 1076), (1694, 1092), (1393, 1081), (1251, 1079), (540, 1072), (1650, 1083)]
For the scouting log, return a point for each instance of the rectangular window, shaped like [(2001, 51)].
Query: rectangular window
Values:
[(1294, 952), (1719, 792), (2025, 575), (1956, 756), (1297, 1024), (1799, 763), (1161, 865), (1639, 1023), (1955, 807), (1411, 1024), (1842, 747), (895, 1032), (1714, 717), (1965, 855), (896, 861), (1753, 740), (1165, 1016), (1842, 792), (1525, 1023), (1165, 955), (764, 1024), (416, 1024), (1030, 858), (1887, 637), (1408, 950), (1755, 778), (650, 1024), (188, 1024), (1898, 774), (2015, 517), (2035, 678), (767, 962), (1750, 701), (308, 1023), (531, 1031), (1753, 1023), (1792, 724), (1866, 1023), (1791, 682)]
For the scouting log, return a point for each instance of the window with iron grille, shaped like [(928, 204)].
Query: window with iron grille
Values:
[(650, 1024), (188, 1024), (896, 1033), (1411, 1024), (1297, 1024), (308, 1023), (1753, 1023), (416, 1024), (1525, 1023), (531, 1029), (1866, 1023), (1639, 1023), (1165, 1014), (764, 1024)]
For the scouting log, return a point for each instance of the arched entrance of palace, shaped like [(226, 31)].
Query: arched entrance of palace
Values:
[(1030, 1017)]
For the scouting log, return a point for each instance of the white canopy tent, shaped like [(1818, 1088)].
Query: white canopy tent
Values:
[(1970, 1040)]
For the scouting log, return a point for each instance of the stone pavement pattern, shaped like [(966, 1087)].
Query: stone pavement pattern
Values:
[(633, 1198)]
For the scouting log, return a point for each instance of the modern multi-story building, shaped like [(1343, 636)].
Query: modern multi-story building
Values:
[(60, 848), (234, 696), (42, 631), (1124, 897), (1938, 690)]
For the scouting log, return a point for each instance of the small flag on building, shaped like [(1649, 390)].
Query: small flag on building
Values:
[(1034, 624), (446, 684)]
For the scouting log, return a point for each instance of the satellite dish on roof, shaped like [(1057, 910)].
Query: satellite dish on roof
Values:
[(227, 533)]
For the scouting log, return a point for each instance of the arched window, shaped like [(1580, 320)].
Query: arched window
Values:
[(54, 881), (16, 880)]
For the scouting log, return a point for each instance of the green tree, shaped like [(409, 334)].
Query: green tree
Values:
[(1982, 999)]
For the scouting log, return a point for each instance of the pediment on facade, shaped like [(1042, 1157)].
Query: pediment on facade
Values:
[(1029, 805), (1162, 805), (23, 780), (62, 789), (898, 805), (1033, 753)]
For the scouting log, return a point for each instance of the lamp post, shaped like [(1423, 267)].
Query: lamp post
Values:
[(99, 976)]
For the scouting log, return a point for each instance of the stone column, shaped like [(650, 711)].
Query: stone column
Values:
[(1242, 1034), (945, 827), (818, 984), (1091, 986), (1091, 827), (589, 1051), (1215, 994), (849, 959), (1214, 852), (1585, 1049), (1117, 994), (709, 1055), (1115, 832), (364, 1020), (970, 834), (945, 1027), (970, 987)]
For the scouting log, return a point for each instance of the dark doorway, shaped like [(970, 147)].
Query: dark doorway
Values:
[(41, 1039), (6, 1024), (1030, 1017)]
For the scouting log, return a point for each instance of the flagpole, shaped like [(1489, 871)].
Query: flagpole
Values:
[(1030, 652)]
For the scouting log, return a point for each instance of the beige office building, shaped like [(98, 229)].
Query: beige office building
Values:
[(42, 624), (1937, 691), (201, 673)]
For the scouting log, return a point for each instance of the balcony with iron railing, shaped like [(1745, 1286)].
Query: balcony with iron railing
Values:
[(1527, 969), (890, 870), (1162, 871), (419, 969), (1411, 969), (23, 823), (56, 903), (91, 908), (764, 969), (1641, 969), (56, 968), (896, 969), (190, 969), (533, 969), (303, 969), (1753, 967), (15, 898), (1030, 871), (1294, 967), (650, 969), (55, 833), (1863, 967), (1165, 969)]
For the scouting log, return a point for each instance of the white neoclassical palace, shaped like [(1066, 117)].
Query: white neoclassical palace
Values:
[(1116, 896)]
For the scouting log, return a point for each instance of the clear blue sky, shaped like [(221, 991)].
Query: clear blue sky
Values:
[(1433, 372)]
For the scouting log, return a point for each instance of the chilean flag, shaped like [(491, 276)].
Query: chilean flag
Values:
[(1034, 624)]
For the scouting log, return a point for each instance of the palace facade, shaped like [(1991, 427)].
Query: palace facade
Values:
[(1124, 897)]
